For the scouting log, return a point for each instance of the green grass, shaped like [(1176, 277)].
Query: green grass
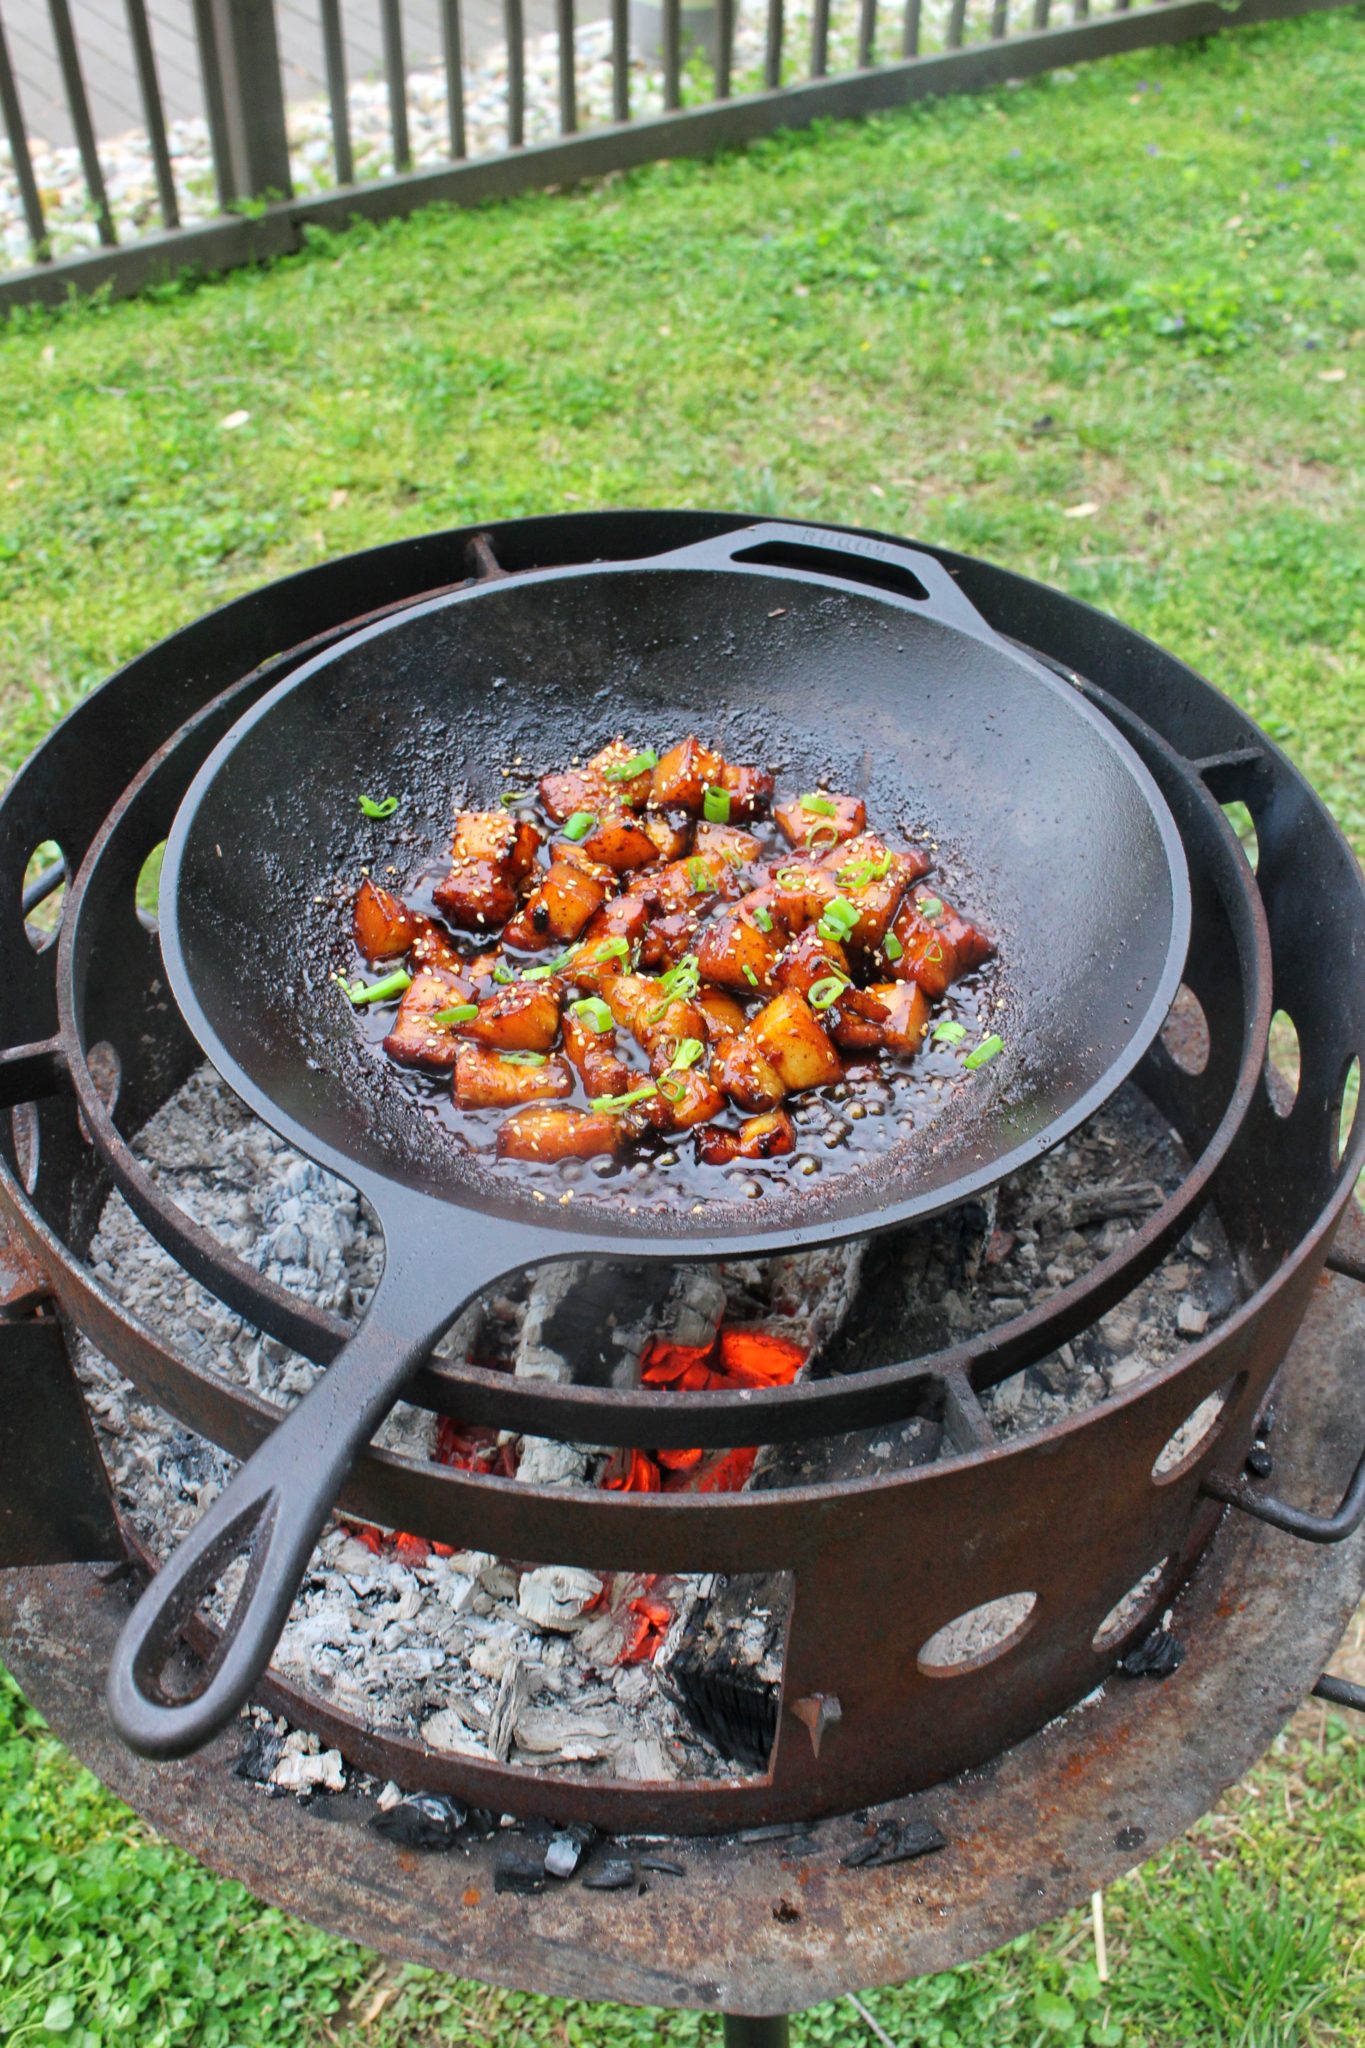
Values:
[(1247, 1934), (1136, 290)]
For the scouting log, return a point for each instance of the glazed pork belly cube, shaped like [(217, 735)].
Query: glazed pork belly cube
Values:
[(735, 954), (381, 924), (510, 843), (620, 843), (485, 1079), (748, 1077), (812, 816), (547, 1134), (490, 856), (523, 1018), (721, 1014), (726, 843), (769, 1136), (750, 790), (596, 1057), (938, 945), (670, 831), (566, 901), (415, 1040), (433, 947), (477, 895), (688, 885), (683, 1101), (810, 958), (595, 787), (873, 880), (683, 775), (792, 1039), (800, 890)]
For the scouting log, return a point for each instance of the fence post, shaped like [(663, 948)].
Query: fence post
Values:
[(248, 53)]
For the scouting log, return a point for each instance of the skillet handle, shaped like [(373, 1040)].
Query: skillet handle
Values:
[(272, 1512), (852, 557)]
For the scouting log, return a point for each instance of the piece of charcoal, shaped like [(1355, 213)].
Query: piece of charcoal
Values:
[(1260, 1462), (480, 1823), (518, 1874), (611, 1876), (1156, 1656), (425, 1820), (263, 1751), (775, 1831), (894, 1842), (661, 1863)]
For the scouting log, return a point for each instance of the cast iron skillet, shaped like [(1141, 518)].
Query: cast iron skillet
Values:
[(826, 654)]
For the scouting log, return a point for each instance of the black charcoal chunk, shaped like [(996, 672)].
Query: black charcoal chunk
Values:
[(612, 1876), (775, 1831), (1260, 1462), (661, 1863), (894, 1842), (263, 1751), (518, 1874), (1157, 1656), (425, 1820)]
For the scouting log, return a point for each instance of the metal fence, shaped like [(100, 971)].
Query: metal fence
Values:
[(402, 102)]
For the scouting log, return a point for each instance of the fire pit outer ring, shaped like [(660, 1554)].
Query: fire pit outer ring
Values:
[(779, 1925)]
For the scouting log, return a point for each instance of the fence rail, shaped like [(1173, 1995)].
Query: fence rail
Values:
[(643, 80)]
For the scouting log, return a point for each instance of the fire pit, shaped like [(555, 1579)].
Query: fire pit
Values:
[(796, 1565)]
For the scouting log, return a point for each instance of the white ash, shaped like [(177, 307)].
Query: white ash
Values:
[(468, 1653)]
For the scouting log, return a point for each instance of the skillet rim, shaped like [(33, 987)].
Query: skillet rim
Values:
[(552, 1237)]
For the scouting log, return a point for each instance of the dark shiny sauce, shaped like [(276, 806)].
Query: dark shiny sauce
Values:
[(882, 1103)]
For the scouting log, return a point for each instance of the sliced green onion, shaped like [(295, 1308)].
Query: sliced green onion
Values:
[(950, 1032), (762, 919), (684, 979), (715, 805), (377, 991), (515, 796), (688, 1053), (822, 839), (930, 907), (672, 1087), (790, 878), (933, 954), (638, 764), (985, 1052), (864, 871), (614, 1102), (580, 824), (544, 971), (384, 809), (612, 949), (821, 805), (461, 1013), (749, 976), (700, 875), (594, 1013), (825, 992), (839, 918), (523, 1059), (657, 1014), (892, 946), (503, 974)]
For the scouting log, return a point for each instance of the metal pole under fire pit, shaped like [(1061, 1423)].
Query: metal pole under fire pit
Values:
[(769, 2033)]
